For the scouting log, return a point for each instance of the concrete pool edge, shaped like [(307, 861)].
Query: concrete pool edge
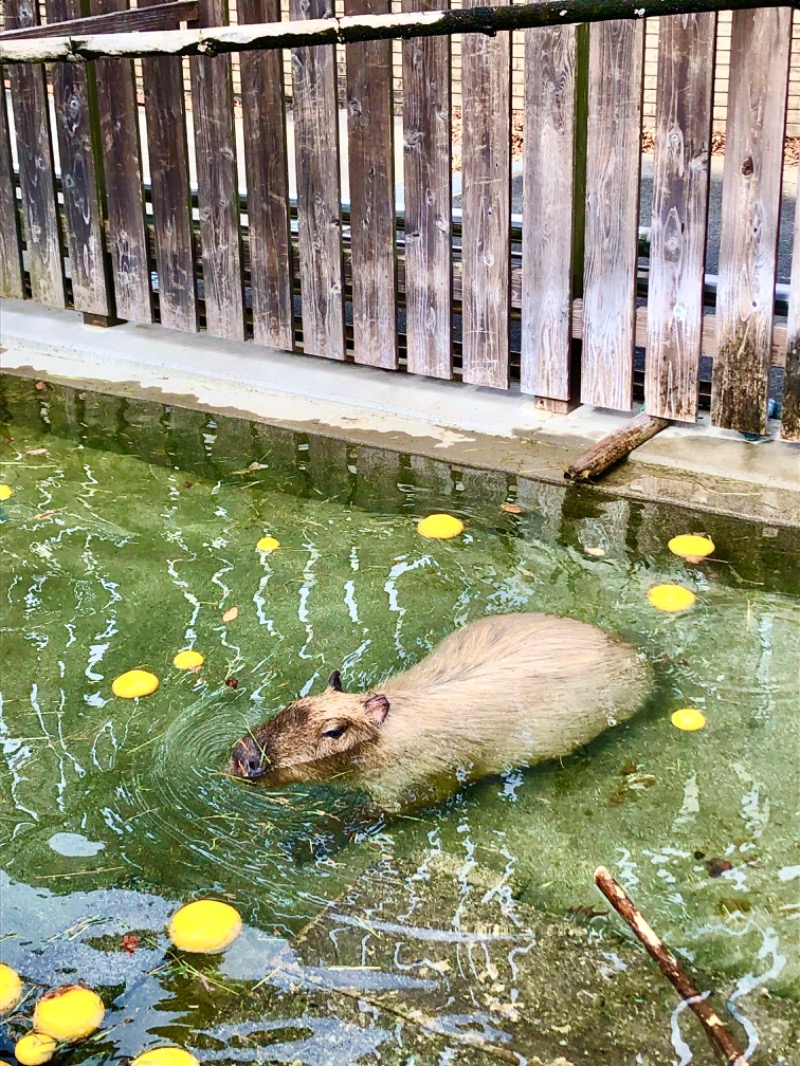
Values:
[(691, 466)]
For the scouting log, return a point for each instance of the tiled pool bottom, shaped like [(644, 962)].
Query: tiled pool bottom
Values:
[(132, 529)]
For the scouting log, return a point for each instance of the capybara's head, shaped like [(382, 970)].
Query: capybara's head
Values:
[(313, 739)]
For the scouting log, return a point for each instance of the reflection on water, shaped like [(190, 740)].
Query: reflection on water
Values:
[(132, 530)]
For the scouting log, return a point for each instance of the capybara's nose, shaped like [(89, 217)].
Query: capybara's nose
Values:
[(249, 759)]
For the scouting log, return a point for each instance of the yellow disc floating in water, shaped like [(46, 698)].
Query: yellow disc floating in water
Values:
[(166, 1056), (440, 526), (268, 544), (205, 926), (35, 1048), (671, 598), (688, 719), (688, 544), (69, 1013), (135, 683), (10, 988), (6, 492), (188, 660)]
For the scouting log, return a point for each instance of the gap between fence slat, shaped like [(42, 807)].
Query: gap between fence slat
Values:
[(751, 189)]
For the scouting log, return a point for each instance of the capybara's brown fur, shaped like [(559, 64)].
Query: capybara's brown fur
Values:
[(507, 691)]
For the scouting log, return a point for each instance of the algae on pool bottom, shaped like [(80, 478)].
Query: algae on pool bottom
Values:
[(151, 517)]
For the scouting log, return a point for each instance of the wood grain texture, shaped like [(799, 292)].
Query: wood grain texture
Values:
[(319, 213), (427, 136), (122, 176), (169, 179), (218, 185), (751, 189), (790, 418), (370, 126), (12, 282), (614, 447), (36, 170), (553, 193), (266, 167), (166, 16), (486, 207), (78, 148), (680, 215), (616, 59)]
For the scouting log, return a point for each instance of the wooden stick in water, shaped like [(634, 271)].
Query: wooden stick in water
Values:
[(720, 1039)]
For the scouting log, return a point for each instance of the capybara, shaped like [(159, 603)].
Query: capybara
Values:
[(508, 691)]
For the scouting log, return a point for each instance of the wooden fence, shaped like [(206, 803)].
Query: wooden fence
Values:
[(560, 301)]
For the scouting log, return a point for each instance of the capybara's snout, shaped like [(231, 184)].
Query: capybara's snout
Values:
[(249, 760)]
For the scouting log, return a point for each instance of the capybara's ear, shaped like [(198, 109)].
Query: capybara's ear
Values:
[(335, 681), (377, 707)]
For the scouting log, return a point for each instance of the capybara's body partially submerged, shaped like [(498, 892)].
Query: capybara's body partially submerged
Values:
[(509, 690)]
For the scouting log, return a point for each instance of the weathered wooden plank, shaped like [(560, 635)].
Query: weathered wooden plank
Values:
[(616, 59), (76, 128), (36, 170), (164, 17), (122, 177), (267, 170), (790, 419), (217, 185), (11, 278), (169, 178), (427, 136), (370, 125), (486, 207), (680, 215), (553, 205), (751, 190), (319, 212)]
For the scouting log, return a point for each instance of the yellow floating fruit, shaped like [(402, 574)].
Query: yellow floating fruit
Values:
[(5, 492), (691, 546), (688, 719), (440, 526), (35, 1048), (10, 988), (166, 1056), (671, 598), (135, 683), (268, 544), (205, 926), (188, 660), (69, 1013)]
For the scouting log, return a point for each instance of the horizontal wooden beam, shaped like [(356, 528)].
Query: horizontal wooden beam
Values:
[(351, 29), (163, 17)]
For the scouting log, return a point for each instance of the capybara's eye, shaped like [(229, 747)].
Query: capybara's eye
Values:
[(334, 734)]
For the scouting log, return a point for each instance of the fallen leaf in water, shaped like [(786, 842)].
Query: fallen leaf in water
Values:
[(231, 682), (36, 451), (231, 614), (48, 514), (130, 941), (595, 551), (717, 867), (40, 385), (257, 466), (511, 508), (188, 484)]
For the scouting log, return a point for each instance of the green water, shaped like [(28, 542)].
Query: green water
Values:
[(132, 528)]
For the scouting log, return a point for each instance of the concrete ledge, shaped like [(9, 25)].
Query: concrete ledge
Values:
[(696, 466)]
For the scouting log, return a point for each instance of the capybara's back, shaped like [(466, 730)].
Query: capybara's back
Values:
[(509, 690)]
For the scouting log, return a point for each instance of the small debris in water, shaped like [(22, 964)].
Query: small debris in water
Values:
[(40, 385), (48, 514), (130, 941), (231, 614), (231, 682), (36, 451), (511, 508), (717, 867), (188, 484), (597, 552)]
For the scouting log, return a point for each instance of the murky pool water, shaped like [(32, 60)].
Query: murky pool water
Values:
[(470, 932)]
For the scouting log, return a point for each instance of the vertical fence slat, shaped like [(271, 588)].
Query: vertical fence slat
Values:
[(319, 212), (217, 185), (11, 277), (370, 124), (122, 175), (427, 136), (616, 60), (751, 189), (169, 181), (36, 168), (266, 166), (553, 205), (790, 419), (486, 206), (75, 119), (680, 213)]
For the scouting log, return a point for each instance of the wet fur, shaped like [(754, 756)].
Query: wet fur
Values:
[(507, 691)]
